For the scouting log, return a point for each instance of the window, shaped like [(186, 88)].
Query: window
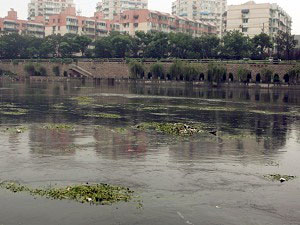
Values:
[(244, 29), (245, 20)]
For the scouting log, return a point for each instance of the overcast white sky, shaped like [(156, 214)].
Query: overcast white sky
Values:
[(88, 7)]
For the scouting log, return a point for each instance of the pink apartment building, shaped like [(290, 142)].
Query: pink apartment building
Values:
[(68, 22), (153, 21), (11, 24)]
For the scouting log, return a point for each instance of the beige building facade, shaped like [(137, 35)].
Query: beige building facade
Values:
[(111, 8), (210, 11), (252, 19), (47, 8)]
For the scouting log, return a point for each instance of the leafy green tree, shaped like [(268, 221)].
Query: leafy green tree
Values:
[(158, 46), (206, 46), (285, 43), (11, 45), (83, 42), (103, 48), (261, 43), (176, 70), (179, 45), (235, 45), (121, 45)]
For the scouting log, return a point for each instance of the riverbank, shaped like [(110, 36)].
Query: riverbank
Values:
[(154, 82)]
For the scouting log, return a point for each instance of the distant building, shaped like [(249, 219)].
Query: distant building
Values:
[(69, 22), (112, 8), (297, 38), (11, 24), (46, 8), (154, 21), (211, 11), (252, 19)]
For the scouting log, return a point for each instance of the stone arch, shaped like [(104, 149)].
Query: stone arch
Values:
[(286, 78), (258, 78), (230, 77), (249, 77), (276, 78), (202, 77), (168, 76), (149, 76), (65, 74), (181, 77)]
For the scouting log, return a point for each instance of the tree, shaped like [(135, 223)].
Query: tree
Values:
[(176, 70), (121, 44), (83, 42), (179, 45), (103, 48), (235, 45), (206, 46), (261, 43), (285, 43), (158, 46), (11, 45)]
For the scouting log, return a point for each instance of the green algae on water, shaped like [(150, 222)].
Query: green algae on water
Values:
[(104, 115), (98, 194)]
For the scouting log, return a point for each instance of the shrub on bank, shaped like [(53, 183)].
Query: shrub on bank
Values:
[(176, 71), (267, 75), (216, 72), (192, 72), (243, 74), (157, 71), (294, 74), (137, 70), (56, 70), (29, 69)]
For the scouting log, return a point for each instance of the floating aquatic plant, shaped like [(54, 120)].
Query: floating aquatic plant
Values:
[(59, 126), (84, 101), (176, 129), (98, 194), (104, 115)]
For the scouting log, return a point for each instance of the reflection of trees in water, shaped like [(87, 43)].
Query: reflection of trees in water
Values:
[(51, 142)]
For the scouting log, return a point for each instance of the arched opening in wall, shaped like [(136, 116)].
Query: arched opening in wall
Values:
[(162, 77), (258, 78), (149, 76), (286, 78), (65, 73), (168, 76), (224, 78), (249, 77), (209, 78), (276, 78), (181, 77), (202, 76), (230, 77)]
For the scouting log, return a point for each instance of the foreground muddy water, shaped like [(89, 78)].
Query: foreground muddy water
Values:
[(206, 179)]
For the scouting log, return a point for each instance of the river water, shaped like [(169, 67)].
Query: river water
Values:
[(206, 180)]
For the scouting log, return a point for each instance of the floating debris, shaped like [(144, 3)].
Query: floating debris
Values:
[(177, 129), (15, 130), (11, 109), (98, 194), (279, 177)]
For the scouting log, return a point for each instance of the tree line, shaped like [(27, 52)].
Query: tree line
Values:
[(233, 45)]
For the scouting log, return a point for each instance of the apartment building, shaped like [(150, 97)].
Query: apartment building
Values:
[(69, 22), (112, 8), (46, 8), (154, 21), (252, 19), (11, 24), (210, 11)]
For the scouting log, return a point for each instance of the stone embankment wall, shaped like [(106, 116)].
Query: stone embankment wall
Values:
[(120, 70)]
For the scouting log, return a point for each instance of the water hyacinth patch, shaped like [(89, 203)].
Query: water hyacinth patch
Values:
[(84, 101), (279, 177), (97, 194), (12, 110)]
